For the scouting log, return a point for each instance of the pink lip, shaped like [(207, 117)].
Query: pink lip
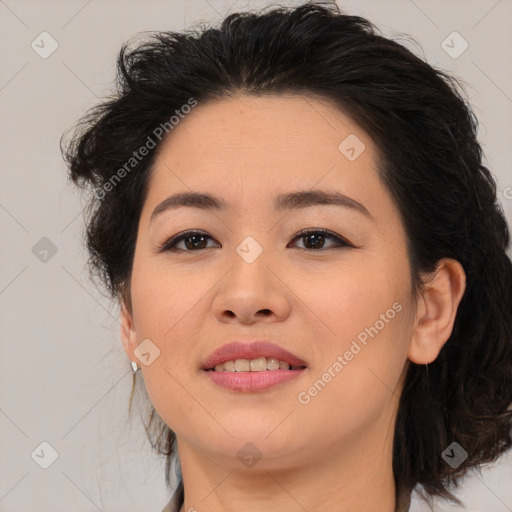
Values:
[(252, 381), (240, 350)]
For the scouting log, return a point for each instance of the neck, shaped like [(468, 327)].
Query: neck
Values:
[(356, 476)]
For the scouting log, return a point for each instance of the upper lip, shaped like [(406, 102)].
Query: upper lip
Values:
[(253, 350)]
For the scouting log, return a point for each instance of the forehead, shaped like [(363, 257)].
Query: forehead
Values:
[(264, 142), (294, 124)]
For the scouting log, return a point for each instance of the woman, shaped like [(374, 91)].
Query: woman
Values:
[(309, 257)]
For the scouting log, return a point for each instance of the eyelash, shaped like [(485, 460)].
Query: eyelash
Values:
[(170, 244)]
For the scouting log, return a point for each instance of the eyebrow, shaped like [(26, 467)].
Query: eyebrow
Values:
[(292, 200)]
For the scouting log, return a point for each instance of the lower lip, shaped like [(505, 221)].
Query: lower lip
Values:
[(252, 381)]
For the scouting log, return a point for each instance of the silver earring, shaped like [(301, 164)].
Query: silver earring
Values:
[(135, 368)]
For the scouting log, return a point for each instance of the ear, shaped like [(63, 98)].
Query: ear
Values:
[(128, 333), (436, 311)]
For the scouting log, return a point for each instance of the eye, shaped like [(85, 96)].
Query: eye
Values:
[(317, 237), (196, 240)]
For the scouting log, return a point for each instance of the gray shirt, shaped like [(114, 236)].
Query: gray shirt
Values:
[(176, 501)]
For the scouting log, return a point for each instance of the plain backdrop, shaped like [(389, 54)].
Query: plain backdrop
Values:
[(64, 378)]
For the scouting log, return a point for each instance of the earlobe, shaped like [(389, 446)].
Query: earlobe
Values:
[(128, 333), (436, 311)]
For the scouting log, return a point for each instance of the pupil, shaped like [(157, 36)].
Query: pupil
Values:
[(319, 239), (192, 245)]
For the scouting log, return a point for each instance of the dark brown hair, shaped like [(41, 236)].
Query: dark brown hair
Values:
[(429, 158)]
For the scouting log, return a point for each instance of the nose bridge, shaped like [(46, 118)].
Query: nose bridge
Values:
[(250, 250), (251, 287), (249, 263)]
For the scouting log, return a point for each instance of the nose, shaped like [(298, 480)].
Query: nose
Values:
[(252, 292)]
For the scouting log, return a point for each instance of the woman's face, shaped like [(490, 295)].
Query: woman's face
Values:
[(343, 308)]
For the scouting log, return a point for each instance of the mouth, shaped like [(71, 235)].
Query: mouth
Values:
[(258, 356), (252, 367)]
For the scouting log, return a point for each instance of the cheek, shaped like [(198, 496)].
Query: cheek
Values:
[(364, 333), (167, 310), (163, 298), (350, 298), (358, 371)]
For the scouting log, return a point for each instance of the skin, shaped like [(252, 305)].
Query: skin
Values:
[(335, 452)]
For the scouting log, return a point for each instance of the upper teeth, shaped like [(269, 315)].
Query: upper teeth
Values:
[(254, 365)]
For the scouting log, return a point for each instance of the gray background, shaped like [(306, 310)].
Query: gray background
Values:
[(64, 377)]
